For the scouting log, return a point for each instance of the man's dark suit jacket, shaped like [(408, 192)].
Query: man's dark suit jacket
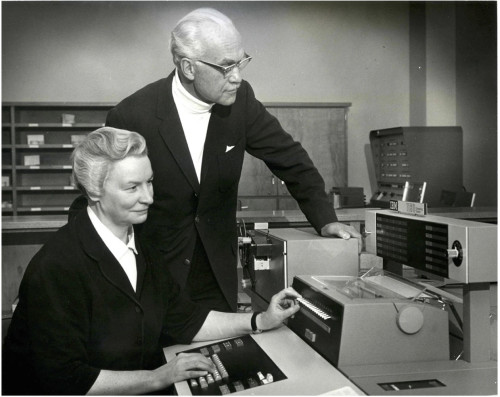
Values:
[(182, 206), (78, 313)]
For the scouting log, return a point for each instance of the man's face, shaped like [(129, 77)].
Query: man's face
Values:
[(222, 48)]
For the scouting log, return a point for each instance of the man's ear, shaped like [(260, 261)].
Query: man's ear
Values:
[(187, 68)]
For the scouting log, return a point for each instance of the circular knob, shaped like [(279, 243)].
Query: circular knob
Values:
[(456, 253), (410, 320)]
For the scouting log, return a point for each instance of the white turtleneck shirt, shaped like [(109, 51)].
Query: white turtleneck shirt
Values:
[(195, 116)]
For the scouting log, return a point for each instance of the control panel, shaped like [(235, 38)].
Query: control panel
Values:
[(415, 155), (392, 166), (240, 363)]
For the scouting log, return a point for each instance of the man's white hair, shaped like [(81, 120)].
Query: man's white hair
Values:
[(187, 39)]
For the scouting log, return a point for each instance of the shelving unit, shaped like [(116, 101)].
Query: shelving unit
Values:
[(37, 140), (36, 147)]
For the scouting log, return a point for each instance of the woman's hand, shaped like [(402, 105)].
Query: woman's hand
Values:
[(282, 306), (183, 366)]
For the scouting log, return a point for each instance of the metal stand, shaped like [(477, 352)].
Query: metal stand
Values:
[(476, 322)]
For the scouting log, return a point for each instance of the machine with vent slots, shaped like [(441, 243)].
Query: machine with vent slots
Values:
[(414, 155), (388, 329), (383, 331)]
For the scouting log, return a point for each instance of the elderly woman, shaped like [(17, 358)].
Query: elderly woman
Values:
[(93, 303)]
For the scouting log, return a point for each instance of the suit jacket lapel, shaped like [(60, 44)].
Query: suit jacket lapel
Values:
[(97, 250), (141, 268), (173, 134), (214, 143)]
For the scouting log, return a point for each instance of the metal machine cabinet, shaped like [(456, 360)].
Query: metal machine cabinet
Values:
[(280, 254), (392, 334), (416, 155)]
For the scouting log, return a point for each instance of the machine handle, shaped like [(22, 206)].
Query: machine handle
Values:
[(310, 335)]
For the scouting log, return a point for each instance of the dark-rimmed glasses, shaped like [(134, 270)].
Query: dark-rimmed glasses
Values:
[(226, 70)]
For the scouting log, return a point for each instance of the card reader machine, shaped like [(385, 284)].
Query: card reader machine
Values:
[(372, 319), (390, 340)]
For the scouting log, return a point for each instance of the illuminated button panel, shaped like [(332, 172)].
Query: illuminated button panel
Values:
[(392, 166), (240, 364)]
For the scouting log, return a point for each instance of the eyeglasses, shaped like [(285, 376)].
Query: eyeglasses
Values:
[(226, 70)]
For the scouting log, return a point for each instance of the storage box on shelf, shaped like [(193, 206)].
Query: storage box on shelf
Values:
[(37, 140)]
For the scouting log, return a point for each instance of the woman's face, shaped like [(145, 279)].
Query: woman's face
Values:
[(127, 193)]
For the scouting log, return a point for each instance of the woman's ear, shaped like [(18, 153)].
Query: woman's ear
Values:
[(187, 68), (92, 198)]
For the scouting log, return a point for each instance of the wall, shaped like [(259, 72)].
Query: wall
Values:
[(477, 104), (356, 52), (461, 86), (304, 52)]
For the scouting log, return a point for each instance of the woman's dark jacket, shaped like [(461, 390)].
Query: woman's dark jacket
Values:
[(78, 314)]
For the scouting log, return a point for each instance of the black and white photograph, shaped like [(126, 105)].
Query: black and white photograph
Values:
[(288, 198)]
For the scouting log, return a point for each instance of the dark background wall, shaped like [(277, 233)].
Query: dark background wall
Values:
[(398, 65)]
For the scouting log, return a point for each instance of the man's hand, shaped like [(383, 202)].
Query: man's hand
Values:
[(340, 230), (337, 229), (282, 306)]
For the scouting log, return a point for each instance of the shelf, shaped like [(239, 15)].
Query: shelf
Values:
[(43, 167), (44, 146), (44, 134), (43, 209), (57, 122), (46, 188), (60, 125)]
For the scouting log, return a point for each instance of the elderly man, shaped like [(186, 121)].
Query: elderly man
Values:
[(198, 122)]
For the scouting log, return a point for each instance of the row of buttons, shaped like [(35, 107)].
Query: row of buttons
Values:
[(203, 382), (219, 366), (314, 308), (238, 386), (219, 374), (211, 352), (215, 349)]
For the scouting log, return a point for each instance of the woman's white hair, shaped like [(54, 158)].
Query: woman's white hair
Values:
[(93, 157), (187, 39)]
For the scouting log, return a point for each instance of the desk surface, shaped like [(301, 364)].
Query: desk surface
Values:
[(474, 213), (27, 222), (54, 222), (308, 373)]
